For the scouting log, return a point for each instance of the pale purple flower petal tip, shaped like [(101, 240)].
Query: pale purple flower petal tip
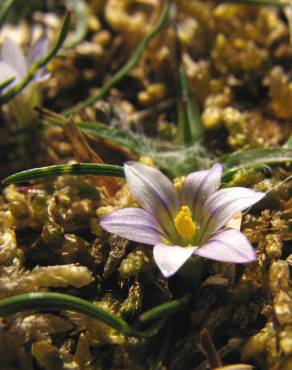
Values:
[(134, 224), (180, 222), (170, 258), (228, 245)]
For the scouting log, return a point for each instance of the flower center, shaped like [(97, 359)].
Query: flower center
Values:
[(184, 224)]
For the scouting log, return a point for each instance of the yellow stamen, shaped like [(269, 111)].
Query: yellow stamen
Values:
[(178, 182), (184, 224), (148, 161)]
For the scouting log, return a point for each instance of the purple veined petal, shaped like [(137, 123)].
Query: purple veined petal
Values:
[(228, 245), (133, 224), (12, 54), (155, 192), (37, 51), (223, 205), (6, 72), (198, 186), (170, 258)]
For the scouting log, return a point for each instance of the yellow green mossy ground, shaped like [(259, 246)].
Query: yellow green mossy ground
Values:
[(178, 85)]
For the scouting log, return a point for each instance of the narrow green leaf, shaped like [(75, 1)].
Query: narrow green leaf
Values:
[(4, 10), (80, 9), (157, 363), (187, 159), (38, 64), (137, 143), (78, 169), (253, 158), (127, 139), (59, 43), (132, 62), (164, 154), (58, 301), (276, 3), (182, 122), (190, 126), (164, 309)]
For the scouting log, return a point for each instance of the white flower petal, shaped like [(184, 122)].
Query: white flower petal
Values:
[(228, 245), (155, 192), (12, 54), (223, 205), (133, 224), (198, 186), (170, 258)]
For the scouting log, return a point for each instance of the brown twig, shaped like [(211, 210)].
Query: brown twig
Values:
[(209, 349)]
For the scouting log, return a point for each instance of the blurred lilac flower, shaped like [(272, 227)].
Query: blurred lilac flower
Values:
[(13, 62), (185, 219)]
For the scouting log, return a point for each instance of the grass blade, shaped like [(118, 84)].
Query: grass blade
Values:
[(79, 169), (276, 3), (158, 362), (80, 9), (126, 139), (58, 301), (164, 309), (190, 126), (4, 10), (253, 158)]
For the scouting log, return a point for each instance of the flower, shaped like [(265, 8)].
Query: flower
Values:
[(183, 219), (13, 62)]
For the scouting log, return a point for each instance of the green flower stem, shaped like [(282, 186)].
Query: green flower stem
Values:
[(38, 64), (132, 62), (79, 169), (164, 309)]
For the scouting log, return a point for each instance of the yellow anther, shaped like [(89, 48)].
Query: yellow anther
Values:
[(178, 182), (148, 161), (184, 224)]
